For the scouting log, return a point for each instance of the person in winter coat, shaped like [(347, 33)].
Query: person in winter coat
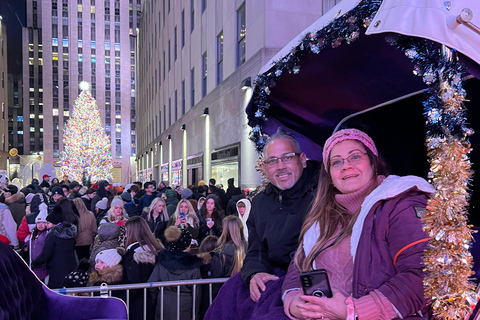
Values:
[(102, 192), (88, 230), (28, 222), (171, 200), (107, 268), (16, 202), (55, 196), (130, 206), (211, 216), (7, 224), (231, 190), (107, 238), (366, 219), (34, 243), (189, 219), (228, 256), (148, 197), (205, 252), (232, 204), (59, 249), (174, 264), (138, 264), (243, 211), (87, 198), (157, 218)]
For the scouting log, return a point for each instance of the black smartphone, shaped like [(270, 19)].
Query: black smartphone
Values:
[(315, 283)]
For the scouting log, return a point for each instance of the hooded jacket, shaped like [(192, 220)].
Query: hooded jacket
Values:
[(275, 222), (8, 225), (174, 266), (109, 275), (28, 222), (387, 225), (107, 238), (244, 218), (58, 253), (101, 193)]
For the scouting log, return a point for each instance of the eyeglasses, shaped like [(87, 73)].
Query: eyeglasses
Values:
[(353, 159), (286, 159)]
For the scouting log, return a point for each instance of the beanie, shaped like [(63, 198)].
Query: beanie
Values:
[(110, 257), (29, 197), (177, 239), (79, 277), (116, 201), (42, 215), (186, 193), (169, 193), (102, 204), (347, 134), (55, 217), (127, 197), (201, 183), (57, 190)]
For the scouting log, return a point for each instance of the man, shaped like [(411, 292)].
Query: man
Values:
[(278, 212), (162, 187), (102, 192), (16, 203), (88, 196), (219, 192), (74, 188), (57, 194), (274, 225), (148, 197), (45, 182)]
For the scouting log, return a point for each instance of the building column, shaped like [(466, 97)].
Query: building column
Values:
[(249, 156), (207, 160), (184, 160), (170, 181)]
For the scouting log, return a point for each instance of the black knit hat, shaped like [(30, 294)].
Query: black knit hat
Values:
[(79, 277), (177, 239), (55, 217)]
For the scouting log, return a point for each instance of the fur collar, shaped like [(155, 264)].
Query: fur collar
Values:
[(109, 275), (178, 260), (15, 197), (206, 257), (144, 257), (64, 231)]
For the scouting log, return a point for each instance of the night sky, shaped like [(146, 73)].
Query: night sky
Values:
[(13, 15)]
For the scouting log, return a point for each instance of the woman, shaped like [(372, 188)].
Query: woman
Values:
[(54, 181), (138, 263), (228, 256), (117, 214), (372, 241), (157, 218), (58, 252), (211, 216), (87, 229), (189, 219), (8, 227)]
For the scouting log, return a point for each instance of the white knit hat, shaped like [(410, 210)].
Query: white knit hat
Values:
[(102, 204), (110, 257), (42, 215)]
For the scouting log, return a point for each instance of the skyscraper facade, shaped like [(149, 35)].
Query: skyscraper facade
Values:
[(3, 98), (196, 64), (69, 41)]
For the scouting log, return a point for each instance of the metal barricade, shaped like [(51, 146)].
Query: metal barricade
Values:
[(106, 290)]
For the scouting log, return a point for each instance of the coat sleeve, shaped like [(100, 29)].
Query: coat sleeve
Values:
[(256, 259), (405, 289), (23, 230), (10, 227), (47, 251)]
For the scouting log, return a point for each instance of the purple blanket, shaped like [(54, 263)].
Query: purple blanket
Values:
[(233, 301)]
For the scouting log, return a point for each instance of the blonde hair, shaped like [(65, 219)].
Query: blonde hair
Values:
[(191, 215), (330, 215), (163, 215), (233, 232), (111, 216)]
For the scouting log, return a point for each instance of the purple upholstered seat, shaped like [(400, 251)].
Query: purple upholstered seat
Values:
[(24, 296)]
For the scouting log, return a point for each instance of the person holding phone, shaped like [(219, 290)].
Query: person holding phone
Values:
[(211, 216), (186, 217), (364, 230)]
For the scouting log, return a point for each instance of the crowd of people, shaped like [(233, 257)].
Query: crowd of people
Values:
[(347, 217), (73, 235)]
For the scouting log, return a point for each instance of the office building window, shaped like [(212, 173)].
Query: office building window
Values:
[(241, 35), (220, 58), (183, 28), (192, 87), (204, 74), (192, 16), (183, 97)]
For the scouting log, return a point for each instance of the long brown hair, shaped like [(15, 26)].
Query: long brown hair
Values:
[(233, 232), (138, 231), (329, 214), (86, 217)]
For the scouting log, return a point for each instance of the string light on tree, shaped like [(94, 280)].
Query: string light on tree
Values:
[(87, 148)]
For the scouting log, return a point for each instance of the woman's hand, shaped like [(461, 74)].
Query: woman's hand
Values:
[(333, 308), (180, 221), (294, 306)]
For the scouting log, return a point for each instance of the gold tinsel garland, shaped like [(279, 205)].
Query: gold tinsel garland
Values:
[(448, 261)]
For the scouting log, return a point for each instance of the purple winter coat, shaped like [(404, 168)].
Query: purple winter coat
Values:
[(387, 223), (36, 248)]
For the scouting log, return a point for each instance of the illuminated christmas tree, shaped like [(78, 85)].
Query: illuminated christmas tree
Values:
[(87, 148)]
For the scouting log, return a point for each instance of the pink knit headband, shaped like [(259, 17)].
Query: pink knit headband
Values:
[(347, 134)]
